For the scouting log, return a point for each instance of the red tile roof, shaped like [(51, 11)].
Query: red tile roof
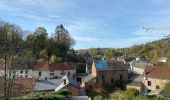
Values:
[(158, 72), (22, 85), (41, 66), (63, 66)]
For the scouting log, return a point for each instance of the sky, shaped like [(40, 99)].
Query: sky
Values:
[(93, 23)]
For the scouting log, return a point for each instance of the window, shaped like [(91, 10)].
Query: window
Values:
[(68, 73), (26, 71), (26, 76), (51, 73), (157, 87), (21, 76), (102, 77), (64, 81), (112, 80), (39, 73), (149, 83), (62, 72), (120, 77), (21, 71)]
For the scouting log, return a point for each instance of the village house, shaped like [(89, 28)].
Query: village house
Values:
[(43, 70), (28, 85), (137, 67), (163, 59), (17, 71), (65, 83), (104, 73), (154, 79), (58, 70)]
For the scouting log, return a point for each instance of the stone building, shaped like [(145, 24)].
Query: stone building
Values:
[(154, 79), (104, 73)]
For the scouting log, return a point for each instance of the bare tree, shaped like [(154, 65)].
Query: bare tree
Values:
[(9, 46)]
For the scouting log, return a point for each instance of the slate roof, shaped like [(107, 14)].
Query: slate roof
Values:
[(47, 85), (68, 81), (157, 72), (135, 83), (88, 78), (54, 84)]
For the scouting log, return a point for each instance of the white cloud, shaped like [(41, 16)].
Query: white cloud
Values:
[(86, 39)]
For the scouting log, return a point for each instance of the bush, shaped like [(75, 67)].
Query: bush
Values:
[(44, 96)]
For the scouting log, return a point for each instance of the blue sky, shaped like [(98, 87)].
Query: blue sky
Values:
[(93, 23)]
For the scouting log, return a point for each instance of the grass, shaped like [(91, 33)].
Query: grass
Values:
[(1, 97), (44, 96)]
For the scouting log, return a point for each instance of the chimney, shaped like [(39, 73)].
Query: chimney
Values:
[(64, 81), (87, 68)]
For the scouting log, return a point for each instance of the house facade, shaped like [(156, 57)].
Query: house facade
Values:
[(154, 79), (41, 70), (44, 70), (58, 70), (19, 72), (103, 73)]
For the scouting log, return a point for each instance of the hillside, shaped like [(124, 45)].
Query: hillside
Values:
[(151, 50)]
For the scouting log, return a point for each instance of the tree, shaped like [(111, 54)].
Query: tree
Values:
[(130, 94), (63, 40), (10, 43), (38, 40), (166, 90), (53, 59), (43, 54)]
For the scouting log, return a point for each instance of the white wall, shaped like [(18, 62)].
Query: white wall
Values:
[(18, 73), (57, 73), (44, 75), (138, 70)]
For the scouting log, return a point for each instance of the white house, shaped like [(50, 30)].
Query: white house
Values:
[(58, 70), (162, 59), (19, 72), (44, 70), (41, 70)]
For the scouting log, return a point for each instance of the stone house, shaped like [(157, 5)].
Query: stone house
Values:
[(137, 67), (154, 79), (103, 73)]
